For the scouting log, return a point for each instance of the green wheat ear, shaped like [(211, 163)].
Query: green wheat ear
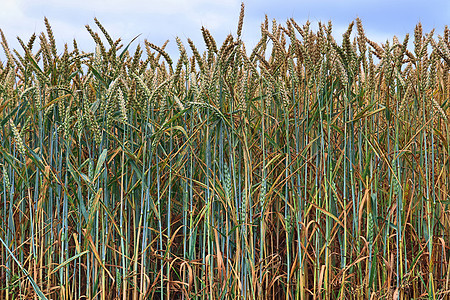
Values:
[(227, 182), (370, 228), (6, 178)]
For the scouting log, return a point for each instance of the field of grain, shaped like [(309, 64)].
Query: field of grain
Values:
[(301, 169)]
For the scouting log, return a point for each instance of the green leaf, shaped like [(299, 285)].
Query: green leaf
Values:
[(100, 162)]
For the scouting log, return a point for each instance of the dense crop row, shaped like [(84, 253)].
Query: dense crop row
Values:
[(299, 168)]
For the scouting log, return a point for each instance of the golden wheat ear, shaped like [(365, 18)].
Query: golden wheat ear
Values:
[(241, 20)]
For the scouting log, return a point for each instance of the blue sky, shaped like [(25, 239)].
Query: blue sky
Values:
[(160, 20)]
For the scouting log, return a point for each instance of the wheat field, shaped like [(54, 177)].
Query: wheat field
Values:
[(300, 169)]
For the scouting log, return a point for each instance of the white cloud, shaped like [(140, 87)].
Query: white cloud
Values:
[(161, 20)]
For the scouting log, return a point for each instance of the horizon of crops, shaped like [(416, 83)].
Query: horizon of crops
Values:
[(298, 169)]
